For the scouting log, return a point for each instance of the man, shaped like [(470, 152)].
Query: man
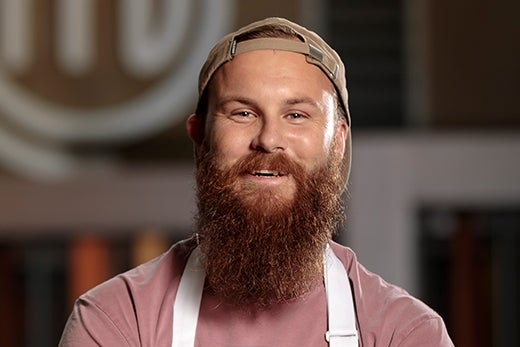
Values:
[(272, 144)]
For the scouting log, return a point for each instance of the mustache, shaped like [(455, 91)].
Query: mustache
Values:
[(259, 162)]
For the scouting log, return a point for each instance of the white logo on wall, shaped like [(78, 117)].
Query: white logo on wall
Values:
[(151, 38)]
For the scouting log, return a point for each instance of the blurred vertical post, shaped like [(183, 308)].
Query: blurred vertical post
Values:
[(89, 264), (149, 244), (38, 296)]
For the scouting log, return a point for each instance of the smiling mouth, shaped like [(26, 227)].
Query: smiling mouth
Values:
[(267, 173)]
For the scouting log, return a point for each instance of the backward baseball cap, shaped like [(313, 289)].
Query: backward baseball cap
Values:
[(316, 50)]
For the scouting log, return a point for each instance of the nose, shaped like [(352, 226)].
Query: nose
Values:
[(270, 137)]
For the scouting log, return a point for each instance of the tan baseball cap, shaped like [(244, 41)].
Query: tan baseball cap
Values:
[(316, 50)]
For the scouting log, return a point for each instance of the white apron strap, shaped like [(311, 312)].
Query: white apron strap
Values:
[(187, 302), (342, 318)]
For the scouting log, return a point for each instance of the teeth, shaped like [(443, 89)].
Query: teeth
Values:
[(267, 173)]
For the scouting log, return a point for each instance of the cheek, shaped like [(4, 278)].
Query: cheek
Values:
[(328, 138), (228, 147), (315, 145)]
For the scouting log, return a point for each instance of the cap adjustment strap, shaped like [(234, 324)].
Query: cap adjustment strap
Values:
[(314, 55)]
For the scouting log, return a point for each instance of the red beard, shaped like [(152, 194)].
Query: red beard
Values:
[(260, 248)]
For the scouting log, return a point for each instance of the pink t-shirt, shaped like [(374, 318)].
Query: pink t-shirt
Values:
[(136, 309)]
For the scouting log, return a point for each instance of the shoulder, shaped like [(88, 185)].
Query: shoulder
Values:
[(387, 312), (147, 279), (119, 306)]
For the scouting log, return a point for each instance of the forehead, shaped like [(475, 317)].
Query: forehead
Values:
[(271, 69)]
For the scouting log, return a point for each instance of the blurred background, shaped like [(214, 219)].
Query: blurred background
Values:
[(96, 168)]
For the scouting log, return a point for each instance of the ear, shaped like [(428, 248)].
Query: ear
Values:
[(195, 127), (341, 137)]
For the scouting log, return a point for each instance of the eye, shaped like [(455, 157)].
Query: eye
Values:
[(295, 116), (244, 114)]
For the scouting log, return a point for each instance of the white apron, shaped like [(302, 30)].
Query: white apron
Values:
[(340, 305)]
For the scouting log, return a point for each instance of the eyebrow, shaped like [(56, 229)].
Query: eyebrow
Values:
[(252, 102), (302, 100), (240, 99)]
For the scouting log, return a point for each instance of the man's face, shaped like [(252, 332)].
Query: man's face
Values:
[(271, 102), (268, 176)]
